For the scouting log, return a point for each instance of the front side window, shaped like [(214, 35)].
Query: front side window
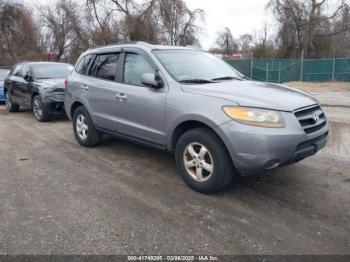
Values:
[(17, 71), (25, 70), (186, 65), (51, 71), (135, 66), (83, 65)]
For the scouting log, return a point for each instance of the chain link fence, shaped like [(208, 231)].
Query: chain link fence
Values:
[(287, 70)]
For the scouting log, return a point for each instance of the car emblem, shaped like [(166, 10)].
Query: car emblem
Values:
[(316, 117)]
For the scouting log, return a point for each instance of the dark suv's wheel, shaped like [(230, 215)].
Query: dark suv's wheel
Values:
[(203, 161), (10, 107), (39, 109), (84, 129)]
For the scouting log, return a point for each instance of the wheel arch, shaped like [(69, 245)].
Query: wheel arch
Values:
[(74, 106), (35, 93), (187, 124)]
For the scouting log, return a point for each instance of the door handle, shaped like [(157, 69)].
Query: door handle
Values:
[(121, 96), (84, 87)]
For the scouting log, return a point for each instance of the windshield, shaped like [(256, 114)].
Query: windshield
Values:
[(3, 74), (48, 71), (193, 66)]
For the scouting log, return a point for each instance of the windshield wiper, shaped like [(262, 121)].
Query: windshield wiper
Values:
[(226, 78), (196, 81)]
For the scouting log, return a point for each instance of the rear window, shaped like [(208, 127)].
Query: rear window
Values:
[(48, 71)]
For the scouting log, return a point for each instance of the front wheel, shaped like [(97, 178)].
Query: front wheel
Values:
[(10, 107), (203, 161), (39, 109), (84, 129)]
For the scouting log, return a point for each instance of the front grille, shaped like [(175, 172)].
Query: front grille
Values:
[(311, 119)]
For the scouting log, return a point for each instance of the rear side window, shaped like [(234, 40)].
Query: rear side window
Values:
[(83, 65), (105, 66)]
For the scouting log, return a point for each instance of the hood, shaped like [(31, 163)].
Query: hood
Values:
[(54, 83), (255, 94)]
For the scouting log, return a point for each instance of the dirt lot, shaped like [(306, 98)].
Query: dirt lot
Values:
[(120, 198), (329, 94)]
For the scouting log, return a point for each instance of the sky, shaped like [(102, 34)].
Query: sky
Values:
[(241, 16)]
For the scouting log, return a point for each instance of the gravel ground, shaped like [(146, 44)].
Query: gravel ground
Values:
[(121, 198), (329, 94)]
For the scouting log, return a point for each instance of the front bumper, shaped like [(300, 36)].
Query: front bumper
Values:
[(254, 149), (54, 101), (55, 108)]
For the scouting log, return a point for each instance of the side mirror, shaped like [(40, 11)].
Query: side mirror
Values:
[(152, 80), (28, 77)]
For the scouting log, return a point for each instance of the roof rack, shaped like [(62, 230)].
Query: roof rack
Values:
[(123, 43)]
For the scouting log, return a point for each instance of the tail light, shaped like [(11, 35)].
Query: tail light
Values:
[(65, 83)]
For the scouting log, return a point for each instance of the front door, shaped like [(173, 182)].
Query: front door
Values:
[(140, 109), (14, 85), (25, 87)]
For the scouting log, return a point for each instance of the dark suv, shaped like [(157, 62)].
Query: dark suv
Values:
[(187, 101), (37, 85)]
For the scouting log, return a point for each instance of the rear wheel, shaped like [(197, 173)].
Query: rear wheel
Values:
[(10, 107), (39, 109), (84, 129), (203, 161)]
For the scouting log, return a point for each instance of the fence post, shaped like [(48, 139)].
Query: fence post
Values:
[(279, 72), (302, 65), (267, 72), (333, 68), (251, 66)]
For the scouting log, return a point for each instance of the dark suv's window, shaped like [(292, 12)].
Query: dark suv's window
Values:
[(17, 71), (84, 64), (135, 66), (25, 70), (105, 66)]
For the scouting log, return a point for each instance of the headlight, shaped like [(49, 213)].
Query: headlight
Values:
[(255, 116)]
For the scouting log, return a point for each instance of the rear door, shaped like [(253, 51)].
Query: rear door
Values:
[(99, 90)]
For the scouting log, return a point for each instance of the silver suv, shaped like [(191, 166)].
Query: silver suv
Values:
[(186, 101)]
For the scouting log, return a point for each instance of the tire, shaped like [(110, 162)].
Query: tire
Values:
[(210, 179), (39, 109), (10, 107), (84, 129)]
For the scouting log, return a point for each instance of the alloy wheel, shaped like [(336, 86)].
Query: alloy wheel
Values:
[(38, 111), (82, 127), (198, 162)]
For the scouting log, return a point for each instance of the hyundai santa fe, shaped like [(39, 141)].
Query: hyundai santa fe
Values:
[(186, 101)]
